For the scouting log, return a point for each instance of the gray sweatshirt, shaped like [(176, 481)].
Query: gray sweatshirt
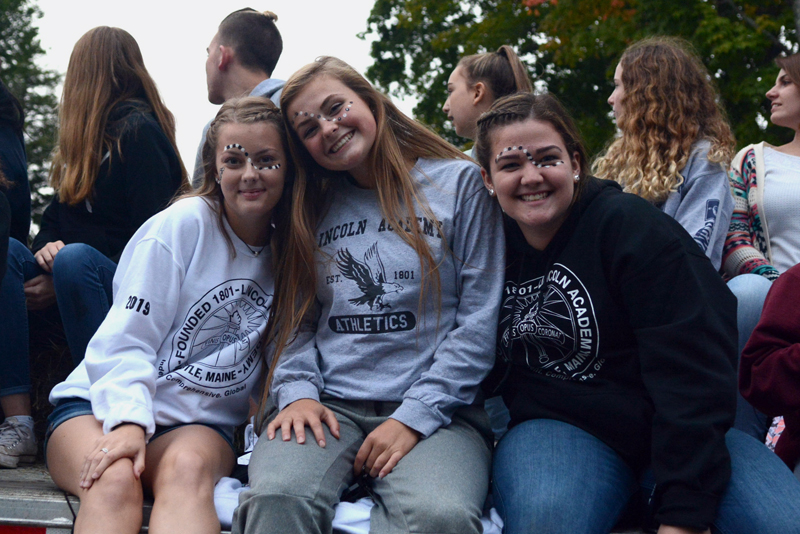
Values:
[(703, 204), (371, 340)]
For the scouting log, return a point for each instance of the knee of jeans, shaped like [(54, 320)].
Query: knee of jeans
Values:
[(750, 288), (71, 257), (17, 254)]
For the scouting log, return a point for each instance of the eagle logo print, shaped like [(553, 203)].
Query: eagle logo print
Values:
[(369, 276)]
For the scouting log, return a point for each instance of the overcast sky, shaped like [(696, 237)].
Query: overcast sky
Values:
[(174, 36)]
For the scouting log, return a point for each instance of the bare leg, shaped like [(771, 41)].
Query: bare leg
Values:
[(16, 404), (114, 502), (182, 468)]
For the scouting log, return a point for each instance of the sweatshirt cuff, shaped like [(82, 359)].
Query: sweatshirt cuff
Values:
[(417, 415), (131, 413), (293, 391), (687, 508)]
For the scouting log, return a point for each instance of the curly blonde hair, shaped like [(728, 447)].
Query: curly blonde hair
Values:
[(670, 102)]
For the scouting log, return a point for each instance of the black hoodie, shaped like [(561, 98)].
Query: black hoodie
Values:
[(135, 181), (623, 328)]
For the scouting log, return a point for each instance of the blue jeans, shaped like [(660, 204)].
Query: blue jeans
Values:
[(82, 278), (750, 291), (551, 477)]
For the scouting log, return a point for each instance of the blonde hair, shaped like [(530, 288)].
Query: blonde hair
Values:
[(105, 69), (399, 141), (669, 103)]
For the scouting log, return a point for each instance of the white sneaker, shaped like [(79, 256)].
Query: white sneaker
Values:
[(17, 443)]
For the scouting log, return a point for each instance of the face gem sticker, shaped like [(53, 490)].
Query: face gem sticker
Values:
[(541, 165), (318, 116), (250, 161)]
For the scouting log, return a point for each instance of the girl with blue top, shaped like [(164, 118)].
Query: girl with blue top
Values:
[(674, 142)]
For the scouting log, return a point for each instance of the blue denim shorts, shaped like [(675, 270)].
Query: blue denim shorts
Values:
[(71, 407)]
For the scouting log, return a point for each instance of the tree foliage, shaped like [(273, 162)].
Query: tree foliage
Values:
[(34, 86), (573, 46)]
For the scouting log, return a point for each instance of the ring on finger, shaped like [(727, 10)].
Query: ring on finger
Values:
[(105, 451)]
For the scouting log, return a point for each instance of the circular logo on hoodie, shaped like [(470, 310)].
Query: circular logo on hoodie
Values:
[(552, 319), (218, 345)]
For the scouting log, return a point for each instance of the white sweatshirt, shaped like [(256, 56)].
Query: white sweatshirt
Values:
[(182, 341)]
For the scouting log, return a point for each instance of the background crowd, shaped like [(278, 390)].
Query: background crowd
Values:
[(339, 271)]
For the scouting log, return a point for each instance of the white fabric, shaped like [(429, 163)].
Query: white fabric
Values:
[(226, 499), (781, 200), (181, 343)]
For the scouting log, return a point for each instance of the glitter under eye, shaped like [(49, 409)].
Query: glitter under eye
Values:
[(529, 156)]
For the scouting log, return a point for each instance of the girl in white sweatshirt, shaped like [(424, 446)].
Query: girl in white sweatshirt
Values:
[(167, 377)]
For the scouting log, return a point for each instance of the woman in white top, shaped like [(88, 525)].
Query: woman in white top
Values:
[(169, 373), (764, 235)]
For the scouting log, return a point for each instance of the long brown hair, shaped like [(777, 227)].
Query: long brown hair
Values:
[(244, 110), (105, 69), (501, 71), (399, 141), (670, 103)]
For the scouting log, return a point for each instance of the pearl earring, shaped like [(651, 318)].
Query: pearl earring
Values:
[(577, 177), (491, 192)]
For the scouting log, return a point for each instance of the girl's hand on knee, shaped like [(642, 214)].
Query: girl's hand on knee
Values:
[(45, 255), (39, 292), (125, 441), (384, 447), (666, 529), (301, 414)]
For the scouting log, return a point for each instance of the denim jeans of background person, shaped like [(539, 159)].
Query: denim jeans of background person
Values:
[(82, 279), (570, 481), (750, 291)]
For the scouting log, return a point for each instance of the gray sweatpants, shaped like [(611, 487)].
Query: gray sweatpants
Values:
[(438, 487)]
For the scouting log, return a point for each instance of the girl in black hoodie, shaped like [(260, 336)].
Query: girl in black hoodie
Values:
[(616, 352)]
